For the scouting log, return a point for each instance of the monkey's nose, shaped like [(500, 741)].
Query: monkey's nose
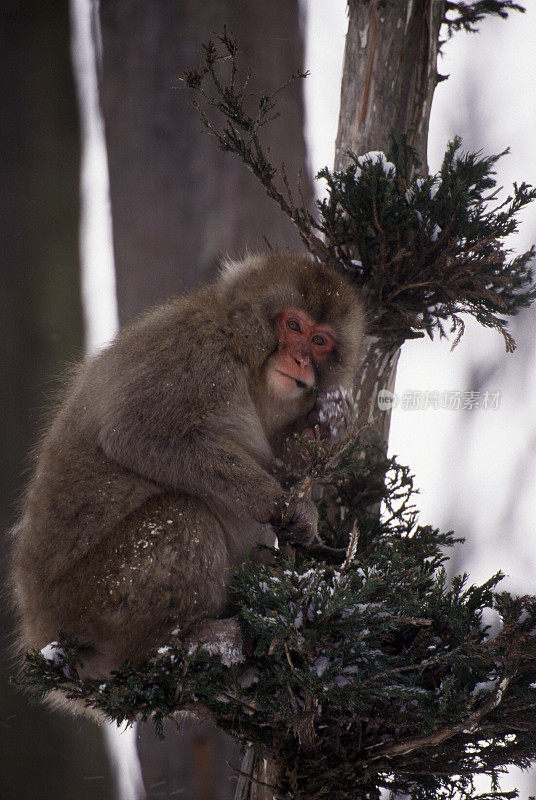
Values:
[(301, 359)]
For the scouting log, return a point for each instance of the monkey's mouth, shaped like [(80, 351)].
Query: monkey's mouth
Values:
[(299, 383)]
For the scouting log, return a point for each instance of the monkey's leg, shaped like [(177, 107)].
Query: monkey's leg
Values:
[(165, 568)]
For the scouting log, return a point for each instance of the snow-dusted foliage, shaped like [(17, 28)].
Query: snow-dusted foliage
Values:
[(425, 249), (360, 664)]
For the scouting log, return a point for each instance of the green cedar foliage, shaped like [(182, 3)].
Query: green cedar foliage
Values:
[(466, 16), (367, 669), (424, 250)]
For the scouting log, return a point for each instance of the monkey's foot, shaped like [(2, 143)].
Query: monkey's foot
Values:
[(219, 637)]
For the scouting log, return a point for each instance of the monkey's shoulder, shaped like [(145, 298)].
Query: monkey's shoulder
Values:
[(180, 355), (180, 330)]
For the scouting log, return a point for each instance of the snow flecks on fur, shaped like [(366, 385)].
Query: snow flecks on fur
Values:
[(221, 638)]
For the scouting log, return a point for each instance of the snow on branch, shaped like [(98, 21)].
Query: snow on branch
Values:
[(364, 671)]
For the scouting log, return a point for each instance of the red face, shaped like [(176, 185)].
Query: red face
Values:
[(302, 344)]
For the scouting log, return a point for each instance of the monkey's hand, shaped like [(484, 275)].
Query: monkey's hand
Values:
[(296, 521), (333, 415)]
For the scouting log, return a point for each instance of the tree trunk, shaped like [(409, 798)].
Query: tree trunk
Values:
[(46, 755), (178, 205), (389, 78)]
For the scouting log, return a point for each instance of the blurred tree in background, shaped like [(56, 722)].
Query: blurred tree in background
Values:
[(177, 207), (43, 755)]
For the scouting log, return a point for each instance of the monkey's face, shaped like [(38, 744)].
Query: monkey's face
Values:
[(302, 346)]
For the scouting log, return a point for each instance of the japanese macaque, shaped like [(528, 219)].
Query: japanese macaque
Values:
[(158, 473)]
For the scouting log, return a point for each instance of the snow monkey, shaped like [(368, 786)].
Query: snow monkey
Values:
[(159, 472)]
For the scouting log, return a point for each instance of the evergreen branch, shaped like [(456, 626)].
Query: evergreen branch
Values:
[(357, 670), (438, 737), (466, 16), (426, 250)]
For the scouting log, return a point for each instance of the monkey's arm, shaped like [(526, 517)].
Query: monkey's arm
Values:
[(215, 468), (185, 423)]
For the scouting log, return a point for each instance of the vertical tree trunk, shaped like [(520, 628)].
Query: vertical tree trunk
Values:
[(389, 78), (178, 205), (44, 755)]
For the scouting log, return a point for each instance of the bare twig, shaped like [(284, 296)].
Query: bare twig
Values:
[(240, 134)]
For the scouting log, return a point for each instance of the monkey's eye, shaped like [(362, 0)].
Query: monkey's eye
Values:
[(294, 325), (319, 340)]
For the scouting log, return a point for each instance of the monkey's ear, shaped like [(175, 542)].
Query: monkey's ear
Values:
[(254, 332), (232, 269)]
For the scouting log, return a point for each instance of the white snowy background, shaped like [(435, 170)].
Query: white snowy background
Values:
[(475, 469)]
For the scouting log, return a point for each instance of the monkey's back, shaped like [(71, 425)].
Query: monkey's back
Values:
[(79, 513)]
